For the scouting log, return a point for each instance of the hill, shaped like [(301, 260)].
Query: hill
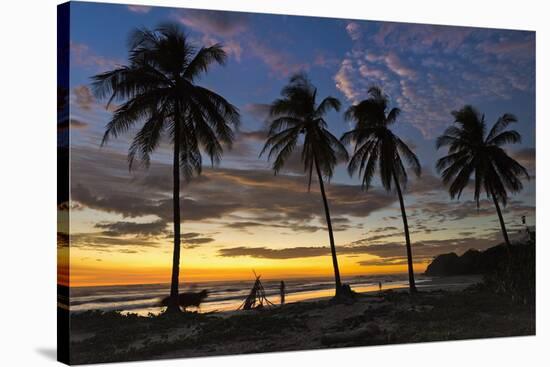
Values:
[(472, 261)]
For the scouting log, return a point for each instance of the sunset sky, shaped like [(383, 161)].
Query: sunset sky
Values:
[(239, 216)]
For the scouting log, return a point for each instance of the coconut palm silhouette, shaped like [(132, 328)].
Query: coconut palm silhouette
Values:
[(376, 146), (474, 152), (158, 90), (296, 119)]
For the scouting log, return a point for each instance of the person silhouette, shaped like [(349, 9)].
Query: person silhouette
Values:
[(282, 292)]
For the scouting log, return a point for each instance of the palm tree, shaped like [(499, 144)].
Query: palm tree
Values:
[(158, 89), (377, 146), (473, 151), (298, 119)]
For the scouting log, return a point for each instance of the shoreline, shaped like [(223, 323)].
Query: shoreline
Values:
[(461, 282), (230, 301)]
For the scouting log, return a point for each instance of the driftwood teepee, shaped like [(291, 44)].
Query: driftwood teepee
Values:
[(256, 299)]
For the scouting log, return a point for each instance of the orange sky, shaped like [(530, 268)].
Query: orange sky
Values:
[(82, 273)]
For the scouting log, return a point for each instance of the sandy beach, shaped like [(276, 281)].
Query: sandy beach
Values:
[(460, 311)]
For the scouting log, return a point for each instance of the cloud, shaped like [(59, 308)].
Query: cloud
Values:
[(505, 47), (124, 228), (394, 63), (258, 135), (445, 211), (143, 9), (386, 261), (193, 239), (62, 239), (231, 30), (213, 22), (101, 181), (83, 97), (259, 111), (288, 225), (279, 254), (280, 62), (386, 253), (77, 124), (231, 47), (190, 235), (82, 55), (98, 242), (354, 31), (429, 71), (217, 27), (422, 37), (344, 80), (130, 205), (244, 199), (325, 61)]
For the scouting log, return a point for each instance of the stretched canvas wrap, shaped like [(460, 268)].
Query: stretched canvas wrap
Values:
[(233, 183)]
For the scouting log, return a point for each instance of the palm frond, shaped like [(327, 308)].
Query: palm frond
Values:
[(505, 137), (500, 125), (392, 116), (203, 59), (411, 158), (326, 105)]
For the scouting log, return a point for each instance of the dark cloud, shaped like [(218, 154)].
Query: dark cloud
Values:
[(190, 235), (444, 211), (339, 224), (383, 229), (378, 237), (100, 242), (387, 253), (385, 261), (125, 204), (128, 251), (102, 182), (267, 253), (218, 193), (77, 124), (124, 228), (62, 239), (193, 239), (199, 241)]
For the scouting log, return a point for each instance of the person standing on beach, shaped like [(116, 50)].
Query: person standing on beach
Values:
[(282, 292), (379, 286)]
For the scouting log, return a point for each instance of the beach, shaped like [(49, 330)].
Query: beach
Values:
[(445, 309)]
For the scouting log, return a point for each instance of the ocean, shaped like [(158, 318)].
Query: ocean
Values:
[(222, 295)]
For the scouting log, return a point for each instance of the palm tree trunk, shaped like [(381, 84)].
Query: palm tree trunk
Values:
[(501, 220), (337, 281), (412, 284), (174, 287)]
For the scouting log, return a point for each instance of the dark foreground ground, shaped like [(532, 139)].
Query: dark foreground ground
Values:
[(388, 318)]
